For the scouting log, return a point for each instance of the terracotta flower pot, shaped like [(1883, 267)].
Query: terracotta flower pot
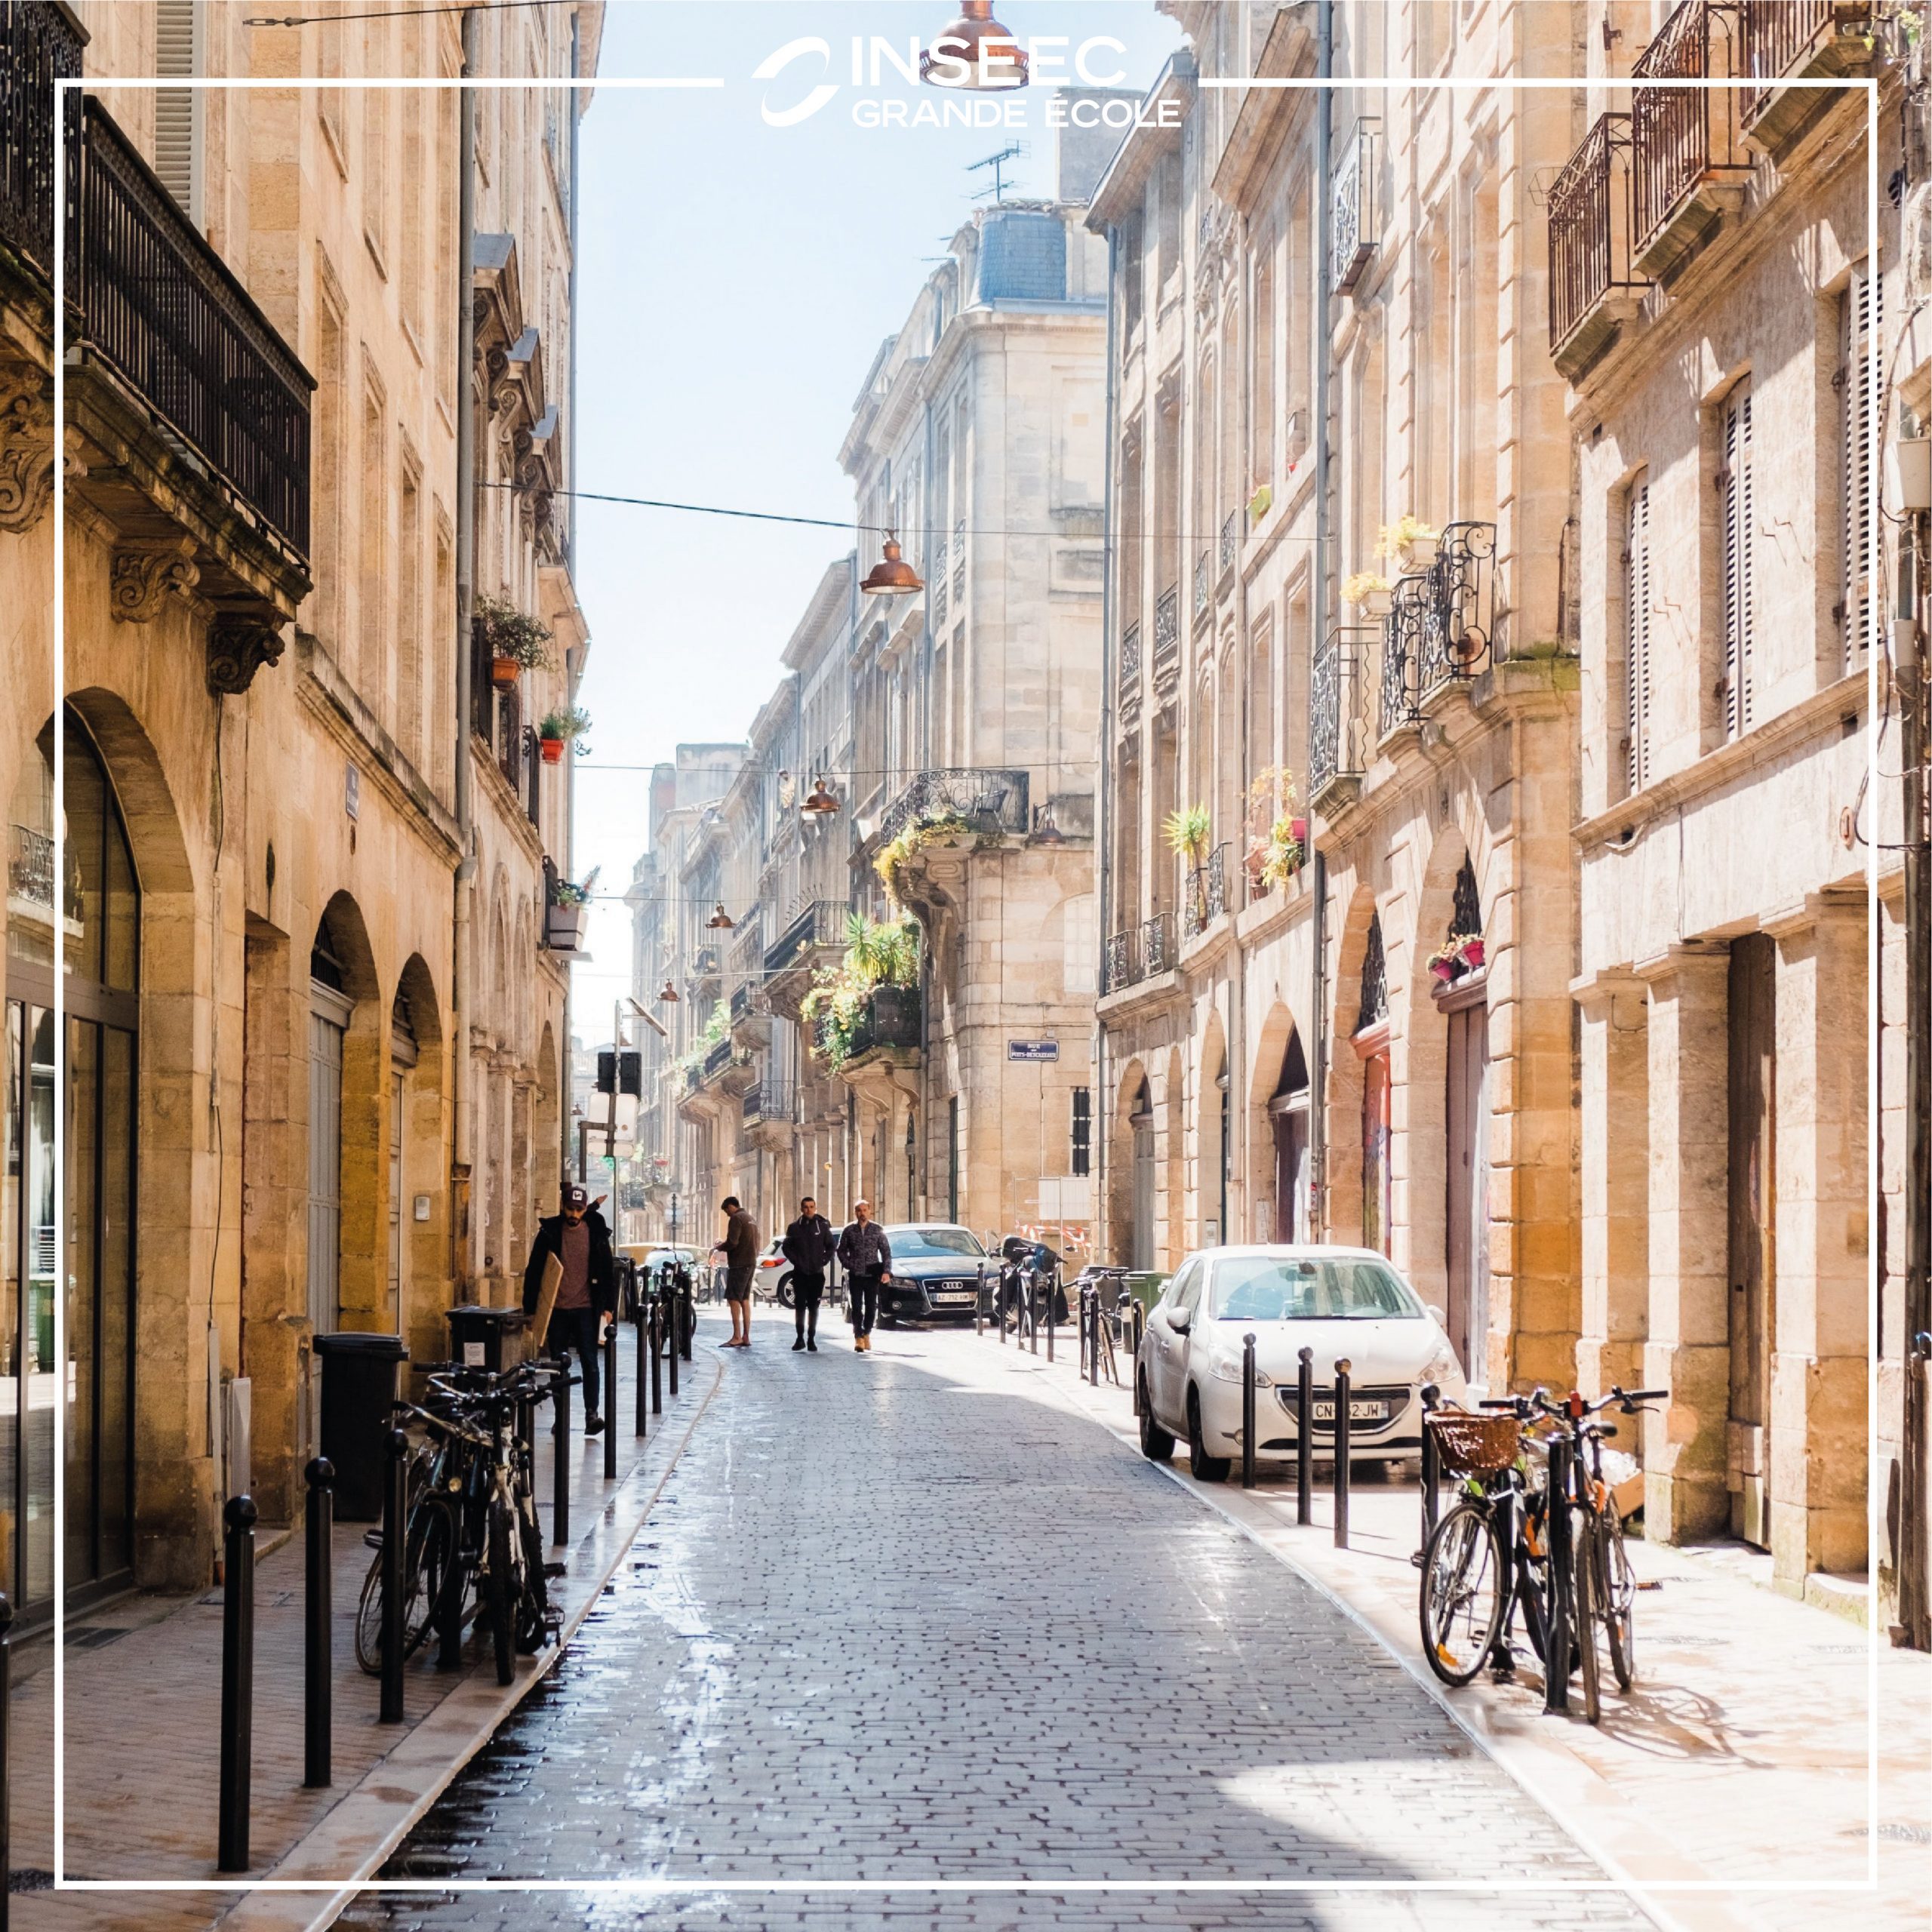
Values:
[(1444, 970), (1472, 953), (552, 749), (504, 671)]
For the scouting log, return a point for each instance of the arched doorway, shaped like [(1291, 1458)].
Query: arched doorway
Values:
[(331, 1008), (1287, 1120), (99, 920)]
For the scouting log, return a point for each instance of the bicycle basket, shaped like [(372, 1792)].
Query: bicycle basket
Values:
[(1473, 1445)]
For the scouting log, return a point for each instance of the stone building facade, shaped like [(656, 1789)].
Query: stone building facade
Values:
[(259, 730)]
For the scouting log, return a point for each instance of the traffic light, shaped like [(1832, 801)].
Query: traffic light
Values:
[(607, 1072), (630, 1073)]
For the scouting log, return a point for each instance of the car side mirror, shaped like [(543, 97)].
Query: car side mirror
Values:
[(1180, 1320), (1439, 1316)]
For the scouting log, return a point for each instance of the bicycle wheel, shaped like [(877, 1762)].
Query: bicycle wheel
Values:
[(1619, 1599), (369, 1619), (1461, 1603), (500, 1592), (1586, 1608), (435, 1570), (533, 1609)]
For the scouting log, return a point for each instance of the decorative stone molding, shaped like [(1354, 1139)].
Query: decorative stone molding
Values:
[(239, 644), (141, 580), (26, 449)]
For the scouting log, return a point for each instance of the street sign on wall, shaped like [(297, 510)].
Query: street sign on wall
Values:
[(1032, 1050)]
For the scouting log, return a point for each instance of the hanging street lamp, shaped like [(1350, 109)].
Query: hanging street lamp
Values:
[(669, 997), (892, 576), (720, 921), (975, 54), (819, 802)]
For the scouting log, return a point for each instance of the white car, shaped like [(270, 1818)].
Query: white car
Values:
[(1341, 1302)]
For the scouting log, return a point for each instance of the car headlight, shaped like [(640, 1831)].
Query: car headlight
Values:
[(1227, 1368), (1443, 1365)]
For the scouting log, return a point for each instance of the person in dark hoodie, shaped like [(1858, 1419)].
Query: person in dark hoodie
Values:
[(587, 1295), (866, 1255), (809, 1245)]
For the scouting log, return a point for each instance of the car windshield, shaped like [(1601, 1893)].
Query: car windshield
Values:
[(1269, 1288), (919, 1243)]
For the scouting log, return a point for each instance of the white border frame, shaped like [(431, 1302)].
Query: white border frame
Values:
[(1639, 1891)]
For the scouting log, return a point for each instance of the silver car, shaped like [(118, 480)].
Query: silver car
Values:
[(1341, 1303)]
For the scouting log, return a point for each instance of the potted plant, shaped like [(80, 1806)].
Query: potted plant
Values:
[(569, 907), (1187, 830), (1446, 962), (1373, 595), (1473, 951), (518, 643), (1411, 540), (557, 730)]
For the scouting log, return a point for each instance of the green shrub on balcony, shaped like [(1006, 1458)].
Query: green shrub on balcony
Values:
[(878, 953)]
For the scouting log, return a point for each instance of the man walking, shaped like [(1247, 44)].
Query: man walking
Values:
[(587, 1293), (809, 1245), (741, 1247), (866, 1255)]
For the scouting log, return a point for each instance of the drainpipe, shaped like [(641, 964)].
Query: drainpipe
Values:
[(1318, 1071), (570, 485), (466, 560), (1100, 1112)]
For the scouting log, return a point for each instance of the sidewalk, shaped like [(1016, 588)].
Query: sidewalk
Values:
[(1741, 1757), (142, 1707)]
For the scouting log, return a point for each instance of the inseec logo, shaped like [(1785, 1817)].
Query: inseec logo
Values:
[(773, 65)]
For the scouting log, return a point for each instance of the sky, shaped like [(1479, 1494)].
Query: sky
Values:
[(735, 280)]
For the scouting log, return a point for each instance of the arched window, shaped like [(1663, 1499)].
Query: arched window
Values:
[(95, 902)]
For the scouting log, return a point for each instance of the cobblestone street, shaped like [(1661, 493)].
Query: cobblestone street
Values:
[(883, 1627)]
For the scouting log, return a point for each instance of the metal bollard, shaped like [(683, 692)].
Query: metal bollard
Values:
[(687, 1322), (610, 1403), (238, 1680), (6, 1793), (1431, 1463), (560, 1455), (671, 1318), (1053, 1309), (318, 1647), (1247, 1411), (395, 1510), (1341, 1454), (1000, 1295), (1305, 1439), (979, 1306), (1556, 1530), (656, 1325), (639, 1374)]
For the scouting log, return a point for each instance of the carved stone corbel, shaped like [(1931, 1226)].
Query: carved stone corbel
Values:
[(239, 644), (140, 579), (26, 449)]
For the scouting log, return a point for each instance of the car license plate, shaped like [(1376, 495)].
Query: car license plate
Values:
[(954, 1294), (1358, 1411)]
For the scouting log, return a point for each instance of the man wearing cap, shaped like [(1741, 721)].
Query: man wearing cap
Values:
[(587, 1294)]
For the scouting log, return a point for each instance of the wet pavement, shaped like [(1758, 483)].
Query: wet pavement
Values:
[(884, 1627)]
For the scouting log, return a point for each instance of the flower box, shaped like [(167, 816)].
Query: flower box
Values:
[(504, 671), (564, 928), (552, 749)]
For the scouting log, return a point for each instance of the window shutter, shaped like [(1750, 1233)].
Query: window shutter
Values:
[(174, 108), (1737, 527), (1636, 635), (1860, 305)]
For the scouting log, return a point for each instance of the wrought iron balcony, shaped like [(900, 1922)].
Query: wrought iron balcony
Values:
[(1120, 961), (1688, 165), (1797, 40), (1203, 583), (39, 44), (741, 1002), (988, 800), (1355, 221), (746, 948), (822, 923), (30, 867), (1338, 720), (1230, 538), (1156, 944), (1440, 630), (717, 1060), (769, 1099), (889, 1019), (1207, 893), (1129, 661), (1166, 628), (1593, 287)]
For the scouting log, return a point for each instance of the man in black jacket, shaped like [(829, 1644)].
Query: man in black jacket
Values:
[(809, 1245), (587, 1295), (866, 1255)]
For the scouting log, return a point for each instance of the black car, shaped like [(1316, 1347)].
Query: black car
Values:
[(936, 1272)]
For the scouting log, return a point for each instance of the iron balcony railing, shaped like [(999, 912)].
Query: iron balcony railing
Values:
[(1203, 583), (1156, 944), (889, 1018), (1679, 136), (704, 964), (1230, 538), (1338, 724), (1130, 659), (1354, 226), (1441, 628), (1777, 36), (822, 923), (39, 44), (1207, 893), (1167, 625), (30, 867), (770, 1099), (1590, 220), (746, 949), (717, 1060), (741, 1002), (988, 800), (161, 305), (1120, 961)]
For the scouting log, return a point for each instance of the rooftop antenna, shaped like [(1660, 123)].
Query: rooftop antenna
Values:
[(995, 162)]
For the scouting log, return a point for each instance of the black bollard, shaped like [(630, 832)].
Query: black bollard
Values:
[(688, 1320), (672, 1316), (639, 1373), (1305, 1439), (656, 1324), (1053, 1309), (560, 1455), (6, 1793), (238, 1680), (1556, 1530), (395, 1509), (1247, 1411), (999, 1294), (610, 1403), (318, 1648), (1341, 1454), (1431, 1463), (979, 1306)]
